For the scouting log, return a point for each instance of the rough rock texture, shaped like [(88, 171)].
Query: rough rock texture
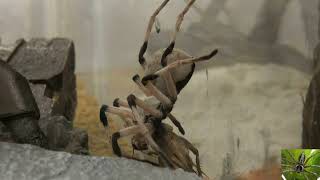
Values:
[(37, 77), (16, 96), (50, 62), (19, 112), (26, 162), (62, 137)]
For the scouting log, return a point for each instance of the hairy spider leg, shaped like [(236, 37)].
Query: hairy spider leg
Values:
[(144, 46), (195, 152), (145, 132), (174, 36)]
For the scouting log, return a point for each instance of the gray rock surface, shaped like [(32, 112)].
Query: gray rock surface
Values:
[(49, 62), (62, 137), (26, 162)]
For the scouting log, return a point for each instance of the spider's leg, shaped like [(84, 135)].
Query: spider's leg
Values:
[(118, 103), (122, 133), (317, 166), (146, 133), (313, 173), (306, 177), (153, 111), (125, 115), (186, 61), (137, 80), (143, 48), (174, 36), (306, 161), (176, 123), (147, 82), (288, 171), (146, 91), (195, 152), (286, 165)]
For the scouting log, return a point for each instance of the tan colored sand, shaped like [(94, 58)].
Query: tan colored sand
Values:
[(87, 118)]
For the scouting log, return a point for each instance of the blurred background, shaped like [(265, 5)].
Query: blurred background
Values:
[(239, 109)]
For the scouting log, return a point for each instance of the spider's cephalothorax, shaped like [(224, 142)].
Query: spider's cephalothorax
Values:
[(165, 75)]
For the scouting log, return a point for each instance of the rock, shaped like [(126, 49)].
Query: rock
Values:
[(25, 130), (5, 134), (62, 137), (50, 62), (29, 162), (7, 51), (45, 103), (18, 109), (16, 96)]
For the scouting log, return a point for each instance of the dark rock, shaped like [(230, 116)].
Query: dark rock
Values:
[(25, 162), (16, 96), (5, 134), (45, 103), (25, 130), (62, 137), (78, 142), (50, 62)]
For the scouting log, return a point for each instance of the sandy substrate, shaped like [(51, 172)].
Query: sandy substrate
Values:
[(239, 117), (87, 118)]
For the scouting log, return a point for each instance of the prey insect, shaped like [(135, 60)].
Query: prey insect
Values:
[(300, 165)]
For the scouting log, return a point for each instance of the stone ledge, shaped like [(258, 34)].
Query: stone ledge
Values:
[(26, 162)]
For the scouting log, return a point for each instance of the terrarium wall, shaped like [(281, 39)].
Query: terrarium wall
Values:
[(239, 109)]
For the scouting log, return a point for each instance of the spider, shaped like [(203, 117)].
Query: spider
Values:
[(164, 77), (300, 166)]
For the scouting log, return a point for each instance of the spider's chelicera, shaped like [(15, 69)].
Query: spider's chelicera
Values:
[(299, 166), (165, 75)]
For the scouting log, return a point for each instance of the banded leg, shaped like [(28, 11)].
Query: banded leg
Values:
[(137, 80), (147, 82), (143, 48), (195, 152), (146, 133), (144, 106), (118, 102), (126, 132), (125, 114), (176, 123), (174, 36), (186, 61)]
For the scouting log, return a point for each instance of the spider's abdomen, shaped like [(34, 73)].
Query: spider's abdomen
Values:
[(181, 75)]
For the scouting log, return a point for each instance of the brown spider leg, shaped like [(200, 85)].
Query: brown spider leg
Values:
[(118, 102), (137, 80), (146, 81), (174, 36), (152, 19), (125, 114), (153, 111), (145, 132), (132, 130), (195, 152), (170, 85), (186, 61), (176, 123)]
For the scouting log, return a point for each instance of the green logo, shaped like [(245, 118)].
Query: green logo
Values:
[(300, 164)]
